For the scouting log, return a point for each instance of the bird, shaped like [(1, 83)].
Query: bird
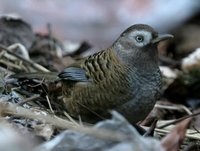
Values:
[(124, 77)]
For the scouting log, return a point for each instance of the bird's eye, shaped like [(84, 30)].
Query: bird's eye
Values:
[(139, 38)]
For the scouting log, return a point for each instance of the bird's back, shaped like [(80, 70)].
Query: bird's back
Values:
[(107, 86), (124, 77)]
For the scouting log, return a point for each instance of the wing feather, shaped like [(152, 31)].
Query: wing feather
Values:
[(74, 74)]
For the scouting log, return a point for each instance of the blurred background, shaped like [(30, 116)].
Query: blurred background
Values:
[(100, 22)]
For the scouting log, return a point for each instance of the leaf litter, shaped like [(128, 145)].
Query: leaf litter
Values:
[(31, 108)]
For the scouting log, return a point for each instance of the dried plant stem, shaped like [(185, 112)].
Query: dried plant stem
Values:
[(32, 98), (30, 62), (12, 109), (178, 120)]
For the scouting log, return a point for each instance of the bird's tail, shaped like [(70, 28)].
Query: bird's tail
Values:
[(50, 76)]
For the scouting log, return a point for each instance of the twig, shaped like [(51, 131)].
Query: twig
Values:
[(34, 97), (173, 107), (70, 118), (49, 30), (9, 64), (196, 129), (150, 131), (178, 120), (49, 104), (30, 62), (50, 36), (11, 109), (22, 48), (39, 84), (93, 112)]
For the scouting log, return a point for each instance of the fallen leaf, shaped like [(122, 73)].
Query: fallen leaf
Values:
[(174, 139)]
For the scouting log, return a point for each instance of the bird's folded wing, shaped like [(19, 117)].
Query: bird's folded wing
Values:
[(74, 74)]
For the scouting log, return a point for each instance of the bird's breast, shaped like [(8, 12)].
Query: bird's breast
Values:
[(146, 89)]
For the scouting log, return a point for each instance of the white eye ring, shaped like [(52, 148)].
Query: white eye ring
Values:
[(139, 38)]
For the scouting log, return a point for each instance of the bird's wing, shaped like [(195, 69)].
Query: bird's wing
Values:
[(74, 72), (86, 69), (107, 88)]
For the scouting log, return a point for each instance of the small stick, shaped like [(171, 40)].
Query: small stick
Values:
[(93, 112), (48, 101), (178, 120), (32, 98), (151, 129), (30, 62), (70, 118), (12, 109)]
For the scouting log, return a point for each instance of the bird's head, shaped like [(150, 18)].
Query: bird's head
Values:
[(139, 42)]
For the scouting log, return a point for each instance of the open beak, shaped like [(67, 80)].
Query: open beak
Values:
[(161, 37)]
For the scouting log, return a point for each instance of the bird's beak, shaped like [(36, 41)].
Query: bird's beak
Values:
[(161, 37)]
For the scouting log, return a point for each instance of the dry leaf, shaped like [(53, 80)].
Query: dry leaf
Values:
[(174, 139)]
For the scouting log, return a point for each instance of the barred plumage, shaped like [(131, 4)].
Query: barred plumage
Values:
[(124, 77)]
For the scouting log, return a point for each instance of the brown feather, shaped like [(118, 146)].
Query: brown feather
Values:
[(124, 77), (103, 69)]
